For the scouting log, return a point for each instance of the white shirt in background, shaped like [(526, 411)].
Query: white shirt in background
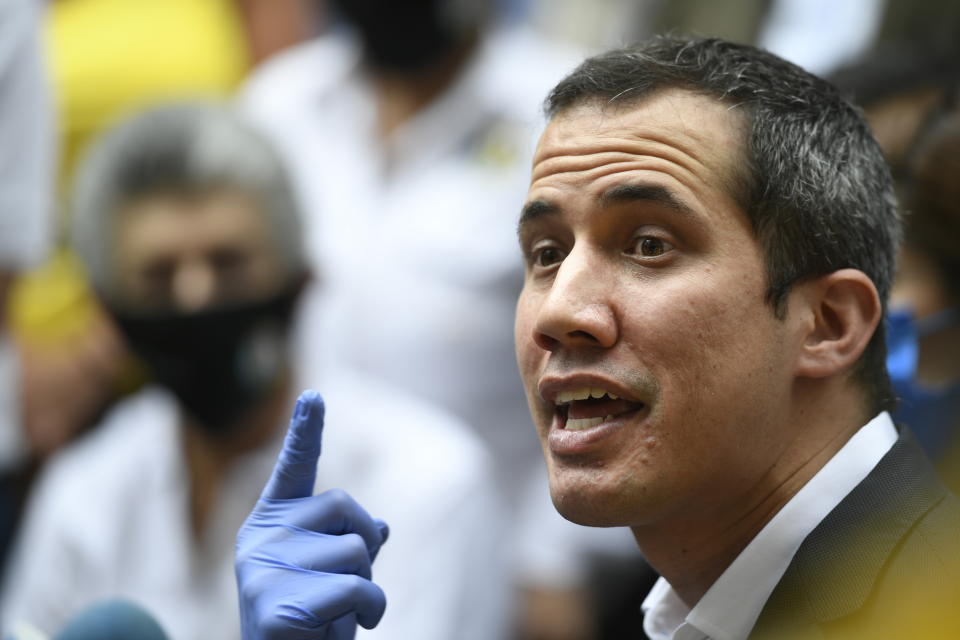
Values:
[(110, 518)]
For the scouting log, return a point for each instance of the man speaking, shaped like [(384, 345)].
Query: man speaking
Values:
[(709, 243)]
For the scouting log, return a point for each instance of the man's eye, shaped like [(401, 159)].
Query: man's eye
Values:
[(547, 256), (651, 247)]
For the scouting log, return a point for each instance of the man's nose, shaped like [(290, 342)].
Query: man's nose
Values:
[(194, 287), (577, 311)]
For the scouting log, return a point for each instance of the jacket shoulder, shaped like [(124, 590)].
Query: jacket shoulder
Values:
[(917, 593)]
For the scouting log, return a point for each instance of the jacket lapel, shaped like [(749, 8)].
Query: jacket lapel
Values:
[(836, 567)]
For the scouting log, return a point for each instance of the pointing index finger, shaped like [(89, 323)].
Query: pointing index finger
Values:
[(296, 469)]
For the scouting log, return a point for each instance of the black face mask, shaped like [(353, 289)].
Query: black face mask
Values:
[(218, 363), (408, 35)]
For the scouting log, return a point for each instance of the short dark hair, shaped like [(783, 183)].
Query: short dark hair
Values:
[(815, 186)]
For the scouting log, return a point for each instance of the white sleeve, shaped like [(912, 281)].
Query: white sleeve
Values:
[(461, 588), (43, 583), (445, 567), (27, 135)]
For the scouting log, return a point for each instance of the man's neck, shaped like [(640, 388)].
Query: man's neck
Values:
[(693, 551)]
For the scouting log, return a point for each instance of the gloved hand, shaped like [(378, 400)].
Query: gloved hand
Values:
[(303, 561)]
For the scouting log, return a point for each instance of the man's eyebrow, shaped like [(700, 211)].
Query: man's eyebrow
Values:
[(625, 193), (622, 193), (535, 209)]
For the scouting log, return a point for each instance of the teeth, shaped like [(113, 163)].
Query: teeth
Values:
[(569, 396), (585, 393), (579, 424)]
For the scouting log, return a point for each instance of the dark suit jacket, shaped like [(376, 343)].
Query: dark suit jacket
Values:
[(885, 563)]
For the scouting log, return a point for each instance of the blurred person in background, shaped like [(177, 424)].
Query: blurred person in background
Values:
[(105, 57), (924, 339), (409, 129), (26, 173), (108, 58), (27, 164), (910, 97), (185, 222)]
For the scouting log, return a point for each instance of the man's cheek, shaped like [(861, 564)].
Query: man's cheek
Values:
[(526, 349)]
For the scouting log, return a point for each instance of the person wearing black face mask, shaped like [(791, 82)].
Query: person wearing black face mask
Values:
[(219, 362), (188, 229)]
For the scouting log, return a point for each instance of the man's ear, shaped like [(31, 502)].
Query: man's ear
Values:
[(843, 310)]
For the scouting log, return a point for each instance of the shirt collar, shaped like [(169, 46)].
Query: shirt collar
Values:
[(730, 608)]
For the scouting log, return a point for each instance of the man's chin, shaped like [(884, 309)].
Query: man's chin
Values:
[(591, 508)]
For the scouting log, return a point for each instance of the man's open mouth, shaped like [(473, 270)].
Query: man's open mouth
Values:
[(588, 407)]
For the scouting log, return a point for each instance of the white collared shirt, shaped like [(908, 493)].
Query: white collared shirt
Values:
[(730, 608)]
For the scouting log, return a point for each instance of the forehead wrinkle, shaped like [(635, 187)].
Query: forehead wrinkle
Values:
[(579, 156), (592, 179), (684, 144), (730, 162), (698, 133)]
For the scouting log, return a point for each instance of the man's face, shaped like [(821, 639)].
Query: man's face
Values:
[(645, 286), (189, 252)]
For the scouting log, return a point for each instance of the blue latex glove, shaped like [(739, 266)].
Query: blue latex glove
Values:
[(303, 561)]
